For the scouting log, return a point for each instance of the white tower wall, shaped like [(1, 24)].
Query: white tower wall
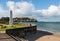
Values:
[(11, 19)]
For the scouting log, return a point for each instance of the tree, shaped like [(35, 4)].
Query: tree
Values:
[(4, 19)]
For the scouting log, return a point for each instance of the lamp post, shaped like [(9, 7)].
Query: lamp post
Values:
[(11, 19)]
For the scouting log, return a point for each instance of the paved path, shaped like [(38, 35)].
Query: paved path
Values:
[(5, 37)]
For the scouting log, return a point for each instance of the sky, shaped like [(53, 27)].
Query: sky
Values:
[(42, 10)]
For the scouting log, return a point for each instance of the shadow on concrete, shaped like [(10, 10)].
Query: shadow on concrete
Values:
[(39, 34)]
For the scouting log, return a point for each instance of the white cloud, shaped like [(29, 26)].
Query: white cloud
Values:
[(50, 14), (51, 11), (27, 9), (3, 13), (21, 8), (10, 4)]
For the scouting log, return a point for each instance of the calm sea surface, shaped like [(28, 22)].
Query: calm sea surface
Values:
[(48, 26)]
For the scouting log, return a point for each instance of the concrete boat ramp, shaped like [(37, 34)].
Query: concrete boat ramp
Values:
[(5, 37)]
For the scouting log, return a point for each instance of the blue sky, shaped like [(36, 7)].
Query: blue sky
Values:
[(39, 4), (42, 10)]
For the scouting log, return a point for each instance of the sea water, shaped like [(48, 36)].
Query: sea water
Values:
[(48, 26)]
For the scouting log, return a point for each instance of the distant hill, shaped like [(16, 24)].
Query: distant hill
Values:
[(24, 20), (6, 19)]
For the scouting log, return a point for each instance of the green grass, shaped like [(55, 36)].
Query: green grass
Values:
[(9, 27)]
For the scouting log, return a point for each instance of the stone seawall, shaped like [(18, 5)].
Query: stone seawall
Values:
[(22, 31)]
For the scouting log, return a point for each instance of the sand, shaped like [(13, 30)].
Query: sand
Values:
[(49, 38), (44, 36)]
